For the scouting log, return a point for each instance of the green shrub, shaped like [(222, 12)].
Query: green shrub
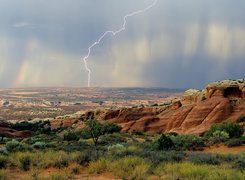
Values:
[(84, 134), (71, 136), (24, 125), (3, 150), (39, 145), (172, 134), (240, 163), (3, 162), (115, 147), (138, 133), (164, 143), (14, 145), (38, 127), (234, 142), (229, 157), (162, 156), (233, 129), (110, 128), (241, 119), (25, 162), (201, 158), (110, 139), (188, 142), (219, 137)]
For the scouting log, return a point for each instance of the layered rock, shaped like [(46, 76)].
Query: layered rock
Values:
[(193, 114)]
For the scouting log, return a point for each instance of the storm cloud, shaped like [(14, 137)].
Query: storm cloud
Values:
[(177, 44)]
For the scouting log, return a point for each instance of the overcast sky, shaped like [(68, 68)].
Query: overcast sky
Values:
[(176, 44)]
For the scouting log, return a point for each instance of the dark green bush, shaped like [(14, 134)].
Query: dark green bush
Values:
[(188, 142), (241, 119), (164, 143), (202, 158), (71, 136), (39, 127), (4, 151), (139, 133), (84, 134), (172, 134), (110, 128), (233, 129), (162, 156), (110, 139), (14, 145), (234, 142), (240, 163), (25, 163), (3, 162)]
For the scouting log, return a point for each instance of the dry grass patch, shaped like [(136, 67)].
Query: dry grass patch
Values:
[(188, 170)]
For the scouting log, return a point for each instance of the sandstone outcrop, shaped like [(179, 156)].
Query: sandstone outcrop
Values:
[(193, 114)]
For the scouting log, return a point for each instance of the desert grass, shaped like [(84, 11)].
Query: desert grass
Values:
[(42, 160), (3, 174), (131, 167), (187, 170)]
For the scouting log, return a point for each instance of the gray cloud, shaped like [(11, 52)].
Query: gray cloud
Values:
[(176, 44)]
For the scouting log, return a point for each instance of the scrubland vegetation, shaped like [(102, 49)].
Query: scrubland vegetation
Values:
[(102, 148)]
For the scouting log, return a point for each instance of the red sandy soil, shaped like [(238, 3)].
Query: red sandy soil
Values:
[(24, 175), (221, 149)]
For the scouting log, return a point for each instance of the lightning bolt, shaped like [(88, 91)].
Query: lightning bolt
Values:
[(85, 58)]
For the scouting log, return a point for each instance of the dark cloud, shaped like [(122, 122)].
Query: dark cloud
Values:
[(176, 44)]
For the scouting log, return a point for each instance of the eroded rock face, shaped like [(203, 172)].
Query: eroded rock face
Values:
[(228, 88), (193, 114), (62, 123)]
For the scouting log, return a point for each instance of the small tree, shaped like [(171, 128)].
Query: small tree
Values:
[(95, 129)]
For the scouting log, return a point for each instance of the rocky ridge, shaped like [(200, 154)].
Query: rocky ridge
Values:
[(194, 113)]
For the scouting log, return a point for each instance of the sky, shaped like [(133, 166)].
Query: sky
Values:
[(176, 44)]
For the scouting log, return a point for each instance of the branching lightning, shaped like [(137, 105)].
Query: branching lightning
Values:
[(85, 58)]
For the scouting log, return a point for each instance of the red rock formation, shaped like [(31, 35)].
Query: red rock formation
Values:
[(221, 101), (60, 123)]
